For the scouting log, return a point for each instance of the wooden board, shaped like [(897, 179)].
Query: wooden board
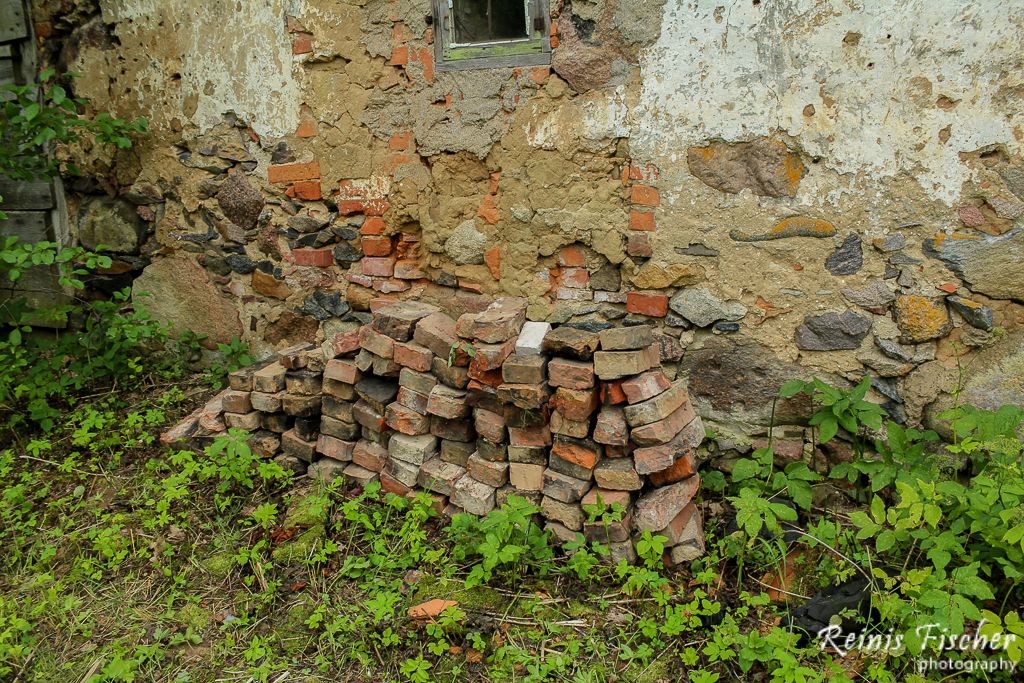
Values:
[(13, 25), (27, 226), (25, 196)]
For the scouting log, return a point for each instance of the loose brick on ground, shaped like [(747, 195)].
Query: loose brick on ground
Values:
[(457, 452), (526, 477), (490, 426), (659, 407), (444, 401), (341, 370), (520, 369), (473, 496), (617, 364), (663, 431), (571, 374), (301, 406), (398, 320), (489, 472), (405, 420), (346, 431), (439, 476), (654, 510), (334, 448), (420, 382), (360, 475), (530, 341), (645, 386), (610, 427), (626, 338), (527, 396), (617, 474), (568, 514), (662, 456), (413, 449), (237, 401), (377, 393), (296, 447), (563, 487), (365, 414), (370, 455), (566, 427), (575, 404), (412, 355), (571, 342), (249, 421)]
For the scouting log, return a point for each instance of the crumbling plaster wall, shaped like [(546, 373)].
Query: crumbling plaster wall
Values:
[(727, 168)]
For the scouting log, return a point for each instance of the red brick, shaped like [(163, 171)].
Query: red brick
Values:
[(373, 225), (334, 448), (406, 420), (412, 355), (574, 278), (570, 374), (342, 371), (290, 173), (643, 195), (681, 469), (529, 436), (612, 393), (491, 378), (611, 427), (369, 207), (572, 257), (639, 244), (321, 258), (376, 343), (308, 190), (426, 58), (645, 386), (400, 140), (412, 399), (575, 404), (665, 430), (576, 453), (399, 56), (491, 356), (488, 211), (645, 303), (369, 455), (389, 484), (302, 44), (490, 426), (376, 246), (641, 220), (492, 258), (378, 266)]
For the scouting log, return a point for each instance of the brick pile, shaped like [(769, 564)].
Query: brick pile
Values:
[(477, 409)]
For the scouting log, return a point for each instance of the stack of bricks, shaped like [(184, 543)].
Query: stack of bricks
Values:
[(475, 409)]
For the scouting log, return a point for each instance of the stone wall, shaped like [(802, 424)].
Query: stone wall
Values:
[(785, 188)]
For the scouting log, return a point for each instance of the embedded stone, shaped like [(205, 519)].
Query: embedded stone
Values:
[(702, 308), (975, 314), (921, 318), (848, 258), (875, 294), (989, 265), (765, 166), (832, 331)]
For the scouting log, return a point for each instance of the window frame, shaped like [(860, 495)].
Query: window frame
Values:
[(532, 51)]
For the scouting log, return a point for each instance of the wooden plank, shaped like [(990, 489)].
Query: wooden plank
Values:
[(6, 71), (26, 196), (27, 226), (13, 25)]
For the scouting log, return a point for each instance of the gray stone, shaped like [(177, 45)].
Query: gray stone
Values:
[(883, 365), (989, 265), (906, 353), (607, 278), (832, 331), (697, 249), (305, 224), (178, 293), (112, 224), (848, 258), (890, 243), (974, 313), (872, 295), (241, 202), (702, 308), (466, 244)]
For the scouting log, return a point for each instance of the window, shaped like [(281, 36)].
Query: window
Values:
[(481, 34)]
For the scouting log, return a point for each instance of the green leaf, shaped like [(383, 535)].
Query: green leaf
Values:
[(792, 388), (30, 112), (829, 428), (744, 468), (885, 541)]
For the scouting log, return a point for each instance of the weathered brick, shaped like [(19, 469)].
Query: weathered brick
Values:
[(375, 245), (575, 404), (607, 499), (237, 401), (617, 474), (420, 382), (676, 531), (526, 477), (645, 386), (307, 427), (413, 400), (454, 376), (275, 422), (654, 510), (380, 438), (376, 343), (663, 431), (303, 382), (530, 341), (561, 533), (571, 374), (365, 415), (403, 472), (659, 407), (378, 393), (491, 378), (501, 320), (317, 258), (647, 303), (270, 379), (412, 355), (643, 195), (340, 390), (453, 430), (524, 417), (378, 266), (265, 444), (457, 452), (342, 371), (491, 472), (639, 244), (490, 426), (301, 406), (567, 427), (492, 450), (293, 357), (610, 427), (413, 449), (406, 420), (334, 448), (617, 364), (437, 333), (519, 369), (571, 342), (249, 421), (439, 476), (346, 431), (529, 455), (611, 392), (682, 468), (364, 360), (568, 514), (340, 410), (626, 338), (290, 173), (661, 457), (641, 220), (360, 475), (527, 396), (483, 397), (529, 436), (296, 447), (447, 402), (492, 356), (564, 488), (473, 496), (398, 320), (345, 343)]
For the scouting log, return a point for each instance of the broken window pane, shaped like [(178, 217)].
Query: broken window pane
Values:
[(486, 21)]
